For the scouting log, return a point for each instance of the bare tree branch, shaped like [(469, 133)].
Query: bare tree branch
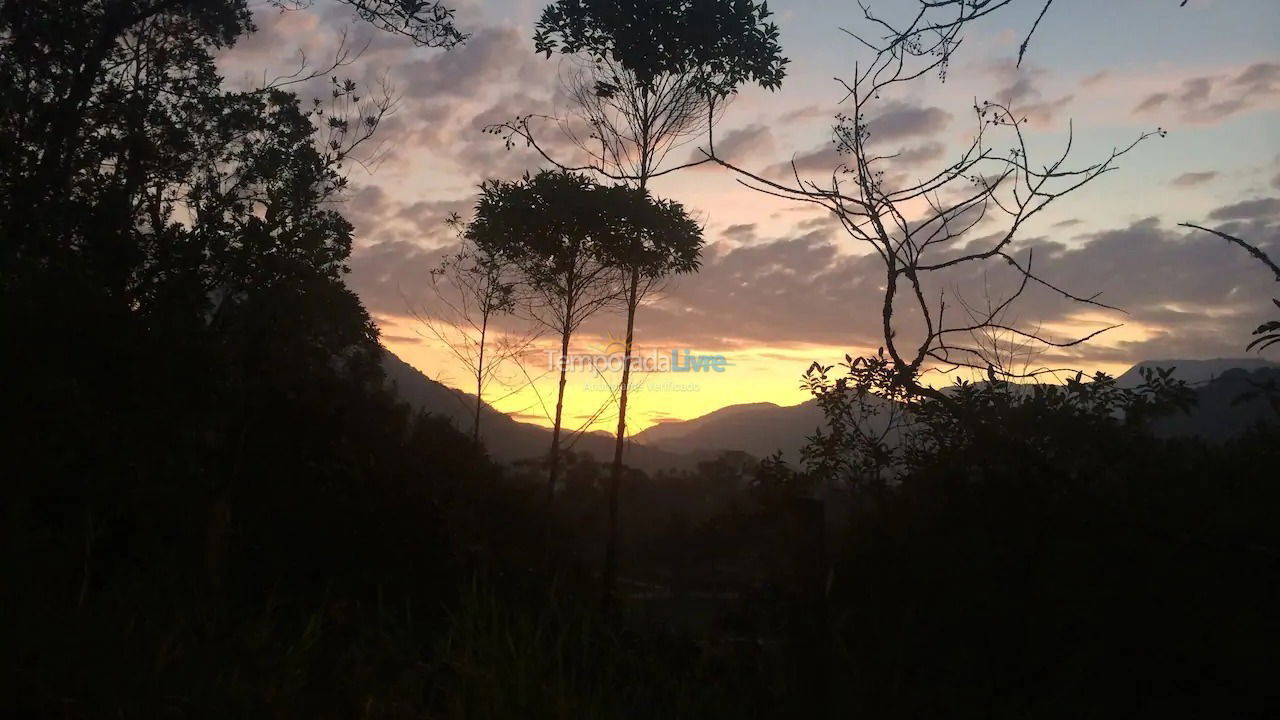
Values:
[(1253, 250)]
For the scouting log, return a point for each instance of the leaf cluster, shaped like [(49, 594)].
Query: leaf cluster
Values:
[(550, 222), (724, 43)]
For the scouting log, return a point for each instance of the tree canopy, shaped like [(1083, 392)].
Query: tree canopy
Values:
[(724, 43)]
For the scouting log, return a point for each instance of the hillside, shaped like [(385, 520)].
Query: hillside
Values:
[(1194, 372), (763, 428), (756, 428), (509, 440)]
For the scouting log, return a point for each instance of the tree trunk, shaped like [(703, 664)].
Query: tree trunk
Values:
[(615, 474), (475, 424), (554, 473)]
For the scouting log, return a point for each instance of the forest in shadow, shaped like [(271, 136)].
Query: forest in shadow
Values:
[(216, 505)]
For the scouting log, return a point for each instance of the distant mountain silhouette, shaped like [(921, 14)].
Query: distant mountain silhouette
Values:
[(1224, 409), (761, 429), (509, 440), (1194, 372), (756, 428)]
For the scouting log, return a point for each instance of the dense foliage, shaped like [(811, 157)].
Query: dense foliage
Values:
[(208, 492), (212, 506), (724, 43)]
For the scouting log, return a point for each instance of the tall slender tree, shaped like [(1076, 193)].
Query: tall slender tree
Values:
[(553, 228), (650, 76), (473, 290), (657, 240)]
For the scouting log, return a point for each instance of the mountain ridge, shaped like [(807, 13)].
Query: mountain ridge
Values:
[(509, 440), (762, 428)]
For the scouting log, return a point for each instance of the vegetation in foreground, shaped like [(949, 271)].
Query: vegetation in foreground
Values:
[(213, 507)]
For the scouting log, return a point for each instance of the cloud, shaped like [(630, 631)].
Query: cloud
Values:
[(1213, 98), (807, 112), (365, 204), (1259, 77), (1260, 209), (741, 144), (1152, 101), (393, 276), (1195, 90), (824, 159), (778, 291), (1192, 179), (741, 232), (899, 120), (428, 216), (1022, 94), (380, 218), (895, 122), (482, 155), (488, 55), (1095, 78), (1191, 296), (919, 155), (1186, 295)]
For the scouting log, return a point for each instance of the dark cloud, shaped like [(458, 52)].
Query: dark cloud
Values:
[(1259, 77), (367, 202), (1193, 179), (488, 55), (899, 120), (1195, 296), (1259, 209), (1022, 94), (824, 221), (741, 144), (1209, 99), (1189, 295), (790, 290), (740, 232), (1151, 102), (824, 160), (919, 155), (1095, 78), (428, 216), (1071, 222), (807, 112), (378, 218), (1195, 90), (392, 277), (483, 155)]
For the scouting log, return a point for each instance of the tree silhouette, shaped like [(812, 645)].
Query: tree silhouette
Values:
[(657, 239), (649, 76), (553, 229), (474, 289), (196, 372), (994, 181), (428, 23)]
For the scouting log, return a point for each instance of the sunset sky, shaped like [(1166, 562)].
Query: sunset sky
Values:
[(781, 285)]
